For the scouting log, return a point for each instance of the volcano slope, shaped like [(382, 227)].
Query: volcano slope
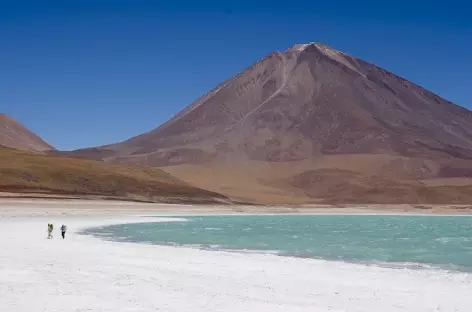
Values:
[(312, 124), (15, 135)]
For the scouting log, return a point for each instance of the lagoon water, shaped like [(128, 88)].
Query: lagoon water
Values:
[(415, 242)]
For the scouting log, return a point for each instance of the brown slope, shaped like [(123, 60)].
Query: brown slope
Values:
[(361, 178), (15, 135), (25, 172), (303, 104)]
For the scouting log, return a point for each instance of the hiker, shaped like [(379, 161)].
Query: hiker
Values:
[(63, 231), (50, 229)]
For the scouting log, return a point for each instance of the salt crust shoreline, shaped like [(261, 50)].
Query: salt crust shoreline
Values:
[(83, 273)]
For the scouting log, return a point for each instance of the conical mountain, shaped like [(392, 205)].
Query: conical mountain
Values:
[(15, 135), (324, 115), (308, 101)]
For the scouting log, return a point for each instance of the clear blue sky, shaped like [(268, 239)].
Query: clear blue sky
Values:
[(85, 73)]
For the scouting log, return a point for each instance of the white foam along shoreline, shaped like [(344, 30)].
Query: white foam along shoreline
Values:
[(97, 232), (83, 273)]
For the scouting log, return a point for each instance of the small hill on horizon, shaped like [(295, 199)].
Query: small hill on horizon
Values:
[(313, 124), (15, 135)]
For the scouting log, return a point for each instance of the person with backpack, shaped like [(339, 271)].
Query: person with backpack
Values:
[(63, 231), (50, 229)]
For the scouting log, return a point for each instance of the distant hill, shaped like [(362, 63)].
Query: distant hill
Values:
[(15, 135), (26, 172), (313, 125)]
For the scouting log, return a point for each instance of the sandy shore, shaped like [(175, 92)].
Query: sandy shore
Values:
[(54, 206), (83, 273)]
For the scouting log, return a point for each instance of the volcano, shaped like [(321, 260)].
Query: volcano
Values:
[(313, 124)]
